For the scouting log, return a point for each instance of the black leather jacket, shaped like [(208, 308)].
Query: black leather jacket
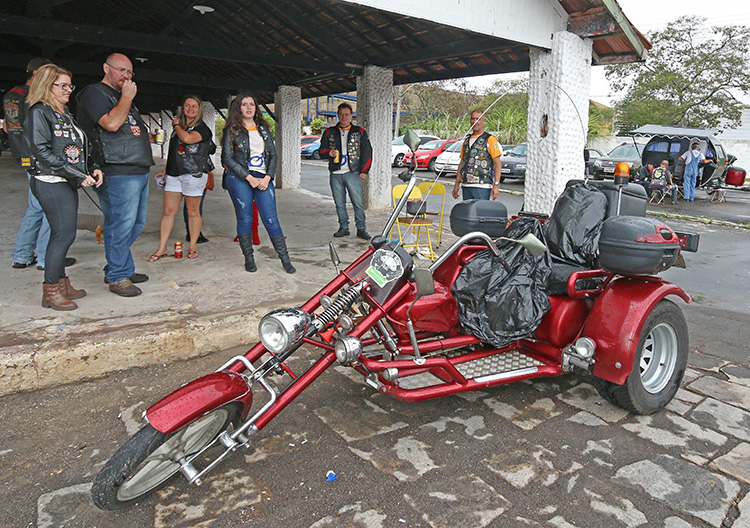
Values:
[(56, 147), (235, 153)]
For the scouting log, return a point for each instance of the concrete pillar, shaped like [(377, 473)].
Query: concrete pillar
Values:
[(375, 115), (288, 108), (209, 118), (559, 82)]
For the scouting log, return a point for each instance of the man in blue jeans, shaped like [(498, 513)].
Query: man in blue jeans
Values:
[(121, 146), (350, 158), (34, 231)]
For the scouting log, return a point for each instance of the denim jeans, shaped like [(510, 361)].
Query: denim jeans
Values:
[(243, 195), (688, 188), (123, 198), (341, 184), (60, 204), (33, 233), (475, 193)]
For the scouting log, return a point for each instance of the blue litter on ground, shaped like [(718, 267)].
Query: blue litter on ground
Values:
[(331, 476)]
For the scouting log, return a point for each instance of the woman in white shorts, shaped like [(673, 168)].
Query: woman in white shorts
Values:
[(188, 163)]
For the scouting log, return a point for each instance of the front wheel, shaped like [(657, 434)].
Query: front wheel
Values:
[(316, 155), (149, 460), (431, 165), (658, 366), (399, 160)]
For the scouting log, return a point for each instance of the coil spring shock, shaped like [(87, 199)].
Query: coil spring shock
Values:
[(344, 300)]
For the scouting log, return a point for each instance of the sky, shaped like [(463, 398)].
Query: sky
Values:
[(651, 15)]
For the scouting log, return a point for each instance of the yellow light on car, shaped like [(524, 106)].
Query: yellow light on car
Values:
[(622, 169)]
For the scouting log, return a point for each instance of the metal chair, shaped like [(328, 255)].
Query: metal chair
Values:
[(417, 225), (435, 189)]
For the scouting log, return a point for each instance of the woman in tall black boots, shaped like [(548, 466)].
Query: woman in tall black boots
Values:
[(249, 154), (61, 164)]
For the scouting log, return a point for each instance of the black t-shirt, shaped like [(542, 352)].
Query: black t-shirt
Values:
[(14, 110), (93, 102), (174, 142)]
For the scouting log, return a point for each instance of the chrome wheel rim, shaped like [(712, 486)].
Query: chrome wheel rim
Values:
[(161, 464), (658, 358)]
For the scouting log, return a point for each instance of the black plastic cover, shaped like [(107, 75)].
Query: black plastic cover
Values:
[(572, 232), (502, 299)]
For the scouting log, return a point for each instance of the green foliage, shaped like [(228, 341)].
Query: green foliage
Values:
[(507, 118), (600, 121), (316, 127), (690, 77), (440, 107), (219, 128)]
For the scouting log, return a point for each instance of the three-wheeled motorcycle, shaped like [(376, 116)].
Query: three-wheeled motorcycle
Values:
[(401, 328)]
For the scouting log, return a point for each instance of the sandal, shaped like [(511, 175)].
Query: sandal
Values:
[(192, 254), (155, 257)]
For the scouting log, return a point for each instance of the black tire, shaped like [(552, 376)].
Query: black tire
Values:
[(431, 165), (658, 366), (144, 463), (399, 160), (502, 178), (316, 154)]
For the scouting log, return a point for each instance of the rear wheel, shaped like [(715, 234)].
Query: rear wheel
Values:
[(399, 160), (149, 460), (658, 366), (316, 154)]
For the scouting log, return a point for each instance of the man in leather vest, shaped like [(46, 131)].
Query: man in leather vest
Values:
[(34, 231), (121, 147), (350, 158), (479, 170)]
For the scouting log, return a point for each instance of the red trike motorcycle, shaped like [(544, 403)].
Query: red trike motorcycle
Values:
[(401, 328)]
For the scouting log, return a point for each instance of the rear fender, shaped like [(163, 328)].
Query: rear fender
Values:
[(616, 320), (193, 400)]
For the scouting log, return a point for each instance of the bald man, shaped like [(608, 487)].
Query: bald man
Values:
[(121, 146)]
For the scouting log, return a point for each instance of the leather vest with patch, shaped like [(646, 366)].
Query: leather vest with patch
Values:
[(477, 166)]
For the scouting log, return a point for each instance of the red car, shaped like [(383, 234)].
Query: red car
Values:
[(428, 153)]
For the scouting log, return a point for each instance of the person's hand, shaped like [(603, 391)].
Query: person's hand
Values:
[(252, 180), (263, 182), (152, 137), (99, 175), (495, 192), (175, 121), (162, 173), (333, 153), (129, 89), (363, 176), (455, 191), (88, 182)]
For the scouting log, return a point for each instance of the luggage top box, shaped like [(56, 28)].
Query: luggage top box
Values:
[(634, 245), (633, 201), (486, 216)]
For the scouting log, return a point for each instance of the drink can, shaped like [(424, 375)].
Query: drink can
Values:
[(178, 250), (159, 140)]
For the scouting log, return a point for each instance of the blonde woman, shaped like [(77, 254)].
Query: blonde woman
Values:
[(60, 165), (187, 169)]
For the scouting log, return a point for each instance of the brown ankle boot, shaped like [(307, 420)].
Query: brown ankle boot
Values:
[(52, 297), (69, 291)]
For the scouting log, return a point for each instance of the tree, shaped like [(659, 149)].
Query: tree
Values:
[(691, 77), (507, 106), (441, 107)]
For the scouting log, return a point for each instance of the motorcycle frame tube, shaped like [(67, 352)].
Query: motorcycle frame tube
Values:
[(195, 399), (617, 318)]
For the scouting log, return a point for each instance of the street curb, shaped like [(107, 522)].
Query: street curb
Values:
[(86, 351), (697, 219)]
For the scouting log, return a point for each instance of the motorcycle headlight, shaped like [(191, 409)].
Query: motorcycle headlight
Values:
[(281, 329)]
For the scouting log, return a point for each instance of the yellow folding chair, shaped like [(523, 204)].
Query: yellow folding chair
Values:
[(435, 189), (416, 224)]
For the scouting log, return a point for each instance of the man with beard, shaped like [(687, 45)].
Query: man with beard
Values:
[(121, 148)]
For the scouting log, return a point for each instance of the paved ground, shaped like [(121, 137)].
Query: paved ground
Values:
[(546, 453)]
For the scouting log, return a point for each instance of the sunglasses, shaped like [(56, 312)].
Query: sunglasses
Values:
[(65, 86)]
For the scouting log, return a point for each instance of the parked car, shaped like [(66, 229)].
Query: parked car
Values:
[(671, 142), (311, 150), (507, 148), (514, 163), (594, 154), (399, 148), (446, 163), (630, 153), (308, 139), (428, 153)]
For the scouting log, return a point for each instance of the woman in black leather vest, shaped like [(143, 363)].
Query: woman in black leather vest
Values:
[(60, 164), (188, 163)]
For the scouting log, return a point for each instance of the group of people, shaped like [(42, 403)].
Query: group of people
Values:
[(660, 179), (108, 146)]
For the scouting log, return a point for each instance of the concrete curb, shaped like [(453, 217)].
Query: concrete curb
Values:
[(69, 353)]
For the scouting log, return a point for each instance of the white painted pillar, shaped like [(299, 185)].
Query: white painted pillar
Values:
[(375, 115), (288, 108), (209, 118), (559, 82)]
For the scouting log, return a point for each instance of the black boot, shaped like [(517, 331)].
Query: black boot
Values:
[(279, 244), (246, 244)]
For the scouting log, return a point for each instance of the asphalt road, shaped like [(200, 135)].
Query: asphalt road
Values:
[(544, 453)]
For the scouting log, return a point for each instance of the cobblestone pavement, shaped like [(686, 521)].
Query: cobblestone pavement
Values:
[(546, 453)]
